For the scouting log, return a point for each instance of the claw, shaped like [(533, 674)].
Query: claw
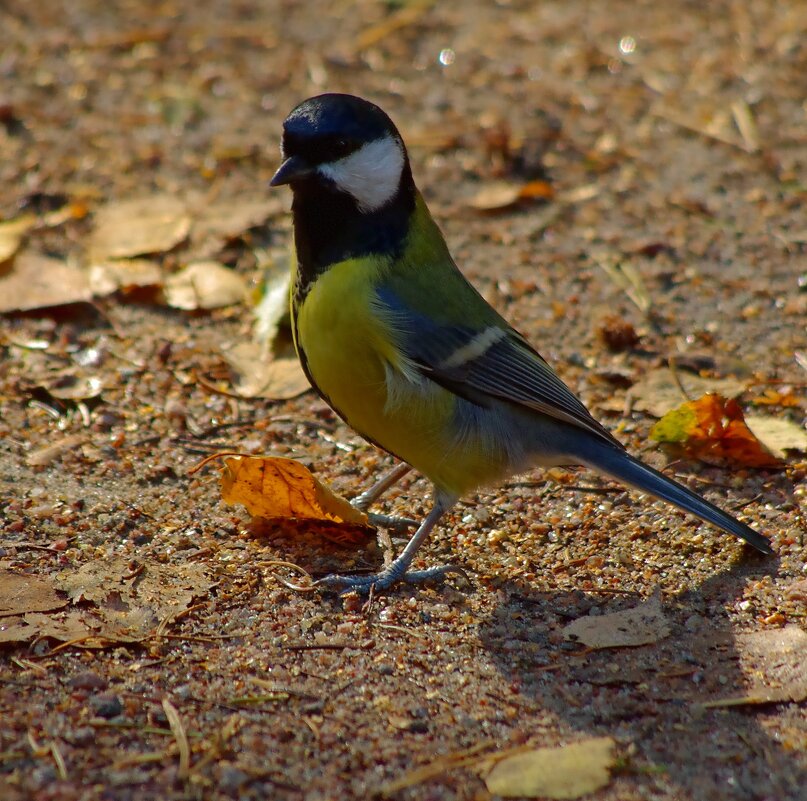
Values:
[(392, 522)]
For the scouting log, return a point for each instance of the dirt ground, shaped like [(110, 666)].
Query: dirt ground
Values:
[(671, 137)]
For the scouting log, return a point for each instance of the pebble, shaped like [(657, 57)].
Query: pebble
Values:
[(87, 680), (106, 705), (693, 622)]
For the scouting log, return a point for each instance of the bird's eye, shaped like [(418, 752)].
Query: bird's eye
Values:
[(342, 147)]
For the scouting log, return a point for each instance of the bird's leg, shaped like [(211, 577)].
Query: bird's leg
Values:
[(398, 569), (362, 502), (372, 494)]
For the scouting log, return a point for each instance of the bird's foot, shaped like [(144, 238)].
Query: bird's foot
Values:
[(392, 522), (384, 579)]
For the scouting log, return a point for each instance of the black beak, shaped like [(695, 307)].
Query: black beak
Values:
[(292, 169)]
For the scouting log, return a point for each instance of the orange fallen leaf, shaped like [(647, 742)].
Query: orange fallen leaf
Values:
[(713, 427), (502, 195), (274, 488)]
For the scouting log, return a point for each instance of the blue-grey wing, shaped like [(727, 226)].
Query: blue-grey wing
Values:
[(494, 363)]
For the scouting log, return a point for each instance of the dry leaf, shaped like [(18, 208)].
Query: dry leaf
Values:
[(205, 285), (778, 435), (39, 282), (642, 625), (131, 599), (258, 374), (779, 658), (21, 593), (502, 195), (266, 368), (62, 626), (569, 771), (658, 392), (152, 224), (274, 303), (12, 232), (710, 428), (113, 275), (276, 488), (216, 223), (48, 454)]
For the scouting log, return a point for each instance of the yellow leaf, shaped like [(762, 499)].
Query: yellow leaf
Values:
[(277, 488), (570, 771)]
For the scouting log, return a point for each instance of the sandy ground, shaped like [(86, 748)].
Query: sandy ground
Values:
[(673, 139)]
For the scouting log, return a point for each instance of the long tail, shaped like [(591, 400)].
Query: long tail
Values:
[(618, 464)]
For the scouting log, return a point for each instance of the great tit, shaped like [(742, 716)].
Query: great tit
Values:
[(401, 346)]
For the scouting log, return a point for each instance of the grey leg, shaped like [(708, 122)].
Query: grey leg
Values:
[(372, 494), (362, 502), (399, 569)]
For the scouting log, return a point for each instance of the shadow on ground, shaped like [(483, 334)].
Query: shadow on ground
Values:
[(648, 697)]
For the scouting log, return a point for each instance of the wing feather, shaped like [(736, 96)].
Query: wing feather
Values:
[(504, 367)]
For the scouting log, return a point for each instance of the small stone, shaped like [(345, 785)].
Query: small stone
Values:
[(106, 705), (81, 737), (87, 680), (693, 623), (232, 779)]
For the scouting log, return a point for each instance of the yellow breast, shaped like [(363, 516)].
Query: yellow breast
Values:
[(353, 359)]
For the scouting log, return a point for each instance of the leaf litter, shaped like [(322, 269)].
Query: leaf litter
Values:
[(642, 625), (775, 662), (111, 600), (204, 285), (566, 772), (267, 365), (139, 226), (496, 63)]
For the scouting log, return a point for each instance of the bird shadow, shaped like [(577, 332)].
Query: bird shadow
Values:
[(649, 697)]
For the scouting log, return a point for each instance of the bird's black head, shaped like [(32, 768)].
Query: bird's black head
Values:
[(353, 191), (344, 144)]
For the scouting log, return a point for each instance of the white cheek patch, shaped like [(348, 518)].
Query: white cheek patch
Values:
[(371, 174)]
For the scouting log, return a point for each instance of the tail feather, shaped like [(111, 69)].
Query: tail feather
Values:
[(620, 465)]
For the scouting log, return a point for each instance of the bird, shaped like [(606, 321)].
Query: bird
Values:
[(406, 351)]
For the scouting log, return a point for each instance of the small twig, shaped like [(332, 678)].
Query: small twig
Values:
[(746, 125), (175, 722), (273, 687), (327, 646), (26, 664), (135, 572), (402, 18), (288, 584), (58, 759), (35, 546), (202, 382), (738, 506), (142, 759), (458, 759), (411, 632), (204, 433), (677, 378)]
